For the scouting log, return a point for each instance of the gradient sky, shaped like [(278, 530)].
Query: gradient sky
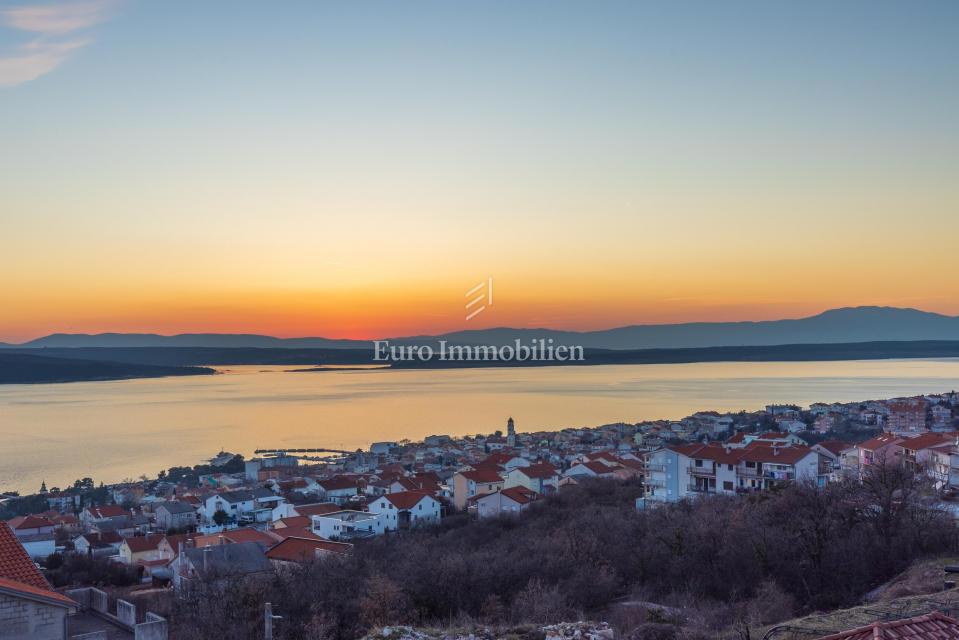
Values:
[(352, 169)]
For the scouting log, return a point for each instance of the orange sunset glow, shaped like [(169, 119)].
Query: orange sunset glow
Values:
[(624, 190)]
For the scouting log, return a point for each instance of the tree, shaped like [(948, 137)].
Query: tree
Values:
[(384, 602), (221, 517)]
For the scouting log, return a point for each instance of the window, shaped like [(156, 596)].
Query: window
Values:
[(727, 485), (699, 463)]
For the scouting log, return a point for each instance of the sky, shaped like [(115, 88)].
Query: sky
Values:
[(353, 169)]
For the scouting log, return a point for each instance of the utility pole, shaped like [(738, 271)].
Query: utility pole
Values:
[(268, 619)]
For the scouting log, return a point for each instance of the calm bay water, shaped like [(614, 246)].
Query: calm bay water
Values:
[(114, 430)]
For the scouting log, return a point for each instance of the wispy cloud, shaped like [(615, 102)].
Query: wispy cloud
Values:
[(57, 28)]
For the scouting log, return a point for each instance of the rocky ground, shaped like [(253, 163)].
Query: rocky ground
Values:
[(560, 631)]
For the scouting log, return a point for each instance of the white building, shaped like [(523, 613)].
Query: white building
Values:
[(690, 470), (347, 525), (510, 501), (407, 509), (243, 506), (540, 478)]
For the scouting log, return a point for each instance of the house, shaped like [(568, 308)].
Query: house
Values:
[(296, 529), (879, 450), (98, 544), (64, 521), (678, 472), (539, 478), (63, 502), (266, 539), (137, 548), (941, 417), (25, 526), (243, 506), (219, 562), (382, 448), (830, 456), (107, 513), (906, 416), (29, 608), (508, 501), (36, 534), (406, 509), (762, 466), (506, 460), (299, 550), (338, 489), (169, 546), (592, 469), (474, 482), (347, 525), (175, 515), (286, 509)]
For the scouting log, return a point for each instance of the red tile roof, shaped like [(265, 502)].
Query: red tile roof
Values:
[(599, 468), (932, 626), (295, 532), (107, 511), (138, 544), (32, 592), (406, 499), (406, 483), (15, 563), (483, 474), (541, 470), (250, 535), (520, 495), (29, 522), (834, 447), (879, 442), (927, 440), (603, 455), (305, 549), (175, 540), (105, 537), (762, 452), (318, 509), (338, 483), (292, 521)]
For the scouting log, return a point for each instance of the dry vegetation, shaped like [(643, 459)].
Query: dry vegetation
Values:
[(717, 567)]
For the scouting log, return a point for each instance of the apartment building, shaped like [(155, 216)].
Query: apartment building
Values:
[(683, 471)]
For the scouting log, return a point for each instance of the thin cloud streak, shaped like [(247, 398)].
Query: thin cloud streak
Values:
[(38, 58), (58, 19), (50, 49)]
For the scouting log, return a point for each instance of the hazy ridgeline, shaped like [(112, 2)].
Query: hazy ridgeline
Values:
[(733, 562)]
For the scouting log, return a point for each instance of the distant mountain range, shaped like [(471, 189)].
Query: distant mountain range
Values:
[(21, 368), (847, 325)]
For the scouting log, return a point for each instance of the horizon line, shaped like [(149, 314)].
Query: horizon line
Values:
[(496, 328)]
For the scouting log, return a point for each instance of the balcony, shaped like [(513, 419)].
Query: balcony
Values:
[(652, 482), (698, 488), (779, 475), (702, 471), (655, 468)]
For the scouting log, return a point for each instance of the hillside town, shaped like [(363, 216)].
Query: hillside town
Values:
[(242, 517)]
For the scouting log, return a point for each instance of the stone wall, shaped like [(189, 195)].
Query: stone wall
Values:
[(22, 619)]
